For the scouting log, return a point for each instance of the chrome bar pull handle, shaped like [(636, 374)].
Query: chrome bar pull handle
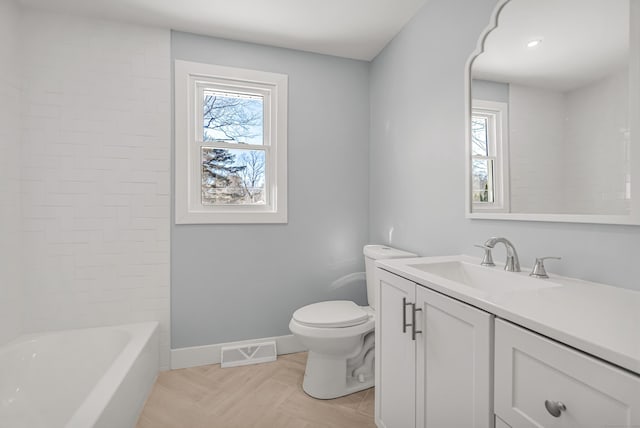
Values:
[(413, 318), (404, 314)]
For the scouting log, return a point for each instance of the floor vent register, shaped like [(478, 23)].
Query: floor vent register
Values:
[(255, 353)]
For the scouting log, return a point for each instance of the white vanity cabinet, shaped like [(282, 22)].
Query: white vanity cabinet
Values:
[(503, 350), (436, 372), (542, 383)]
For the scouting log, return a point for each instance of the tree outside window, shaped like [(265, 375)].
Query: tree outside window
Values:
[(232, 176)]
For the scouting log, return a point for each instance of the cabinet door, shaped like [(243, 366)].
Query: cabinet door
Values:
[(395, 353), (501, 424), (534, 374), (454, 364)]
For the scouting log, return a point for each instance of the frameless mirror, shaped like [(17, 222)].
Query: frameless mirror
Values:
[(553, 113)]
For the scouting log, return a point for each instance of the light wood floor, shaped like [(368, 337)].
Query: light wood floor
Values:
[(262, 395)]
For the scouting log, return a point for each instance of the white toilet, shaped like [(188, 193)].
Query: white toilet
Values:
[(340, 338)]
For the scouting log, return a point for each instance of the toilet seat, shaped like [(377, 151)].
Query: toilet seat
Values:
[(331, 314), (332, 333)]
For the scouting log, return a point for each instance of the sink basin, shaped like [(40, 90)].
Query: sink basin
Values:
[(488, 279)]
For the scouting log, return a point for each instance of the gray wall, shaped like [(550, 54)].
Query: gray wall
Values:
[(236, 282), (417, 158)]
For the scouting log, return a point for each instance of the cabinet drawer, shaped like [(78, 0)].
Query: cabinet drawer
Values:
[(531, 369)]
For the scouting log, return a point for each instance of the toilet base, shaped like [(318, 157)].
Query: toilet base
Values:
[(325, 377)]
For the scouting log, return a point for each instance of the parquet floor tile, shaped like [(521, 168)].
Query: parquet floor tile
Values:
[(266, 395)]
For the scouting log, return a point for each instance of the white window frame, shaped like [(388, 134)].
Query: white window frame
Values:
[(498, 145), (190, 80)]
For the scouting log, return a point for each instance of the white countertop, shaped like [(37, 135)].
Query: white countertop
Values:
[(598, 319)]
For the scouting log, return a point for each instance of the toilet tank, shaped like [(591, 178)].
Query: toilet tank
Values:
[(378, 252)]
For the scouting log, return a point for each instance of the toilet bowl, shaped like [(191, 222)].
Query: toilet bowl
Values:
[(340, 337), (334, 333)]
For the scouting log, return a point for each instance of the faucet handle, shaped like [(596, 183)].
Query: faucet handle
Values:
[(487, 259), (538, 269)]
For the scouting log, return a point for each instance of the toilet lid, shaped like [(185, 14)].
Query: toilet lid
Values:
[(335, 313)]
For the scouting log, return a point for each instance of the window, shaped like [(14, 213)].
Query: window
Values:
[(231, 145), (489, 154)]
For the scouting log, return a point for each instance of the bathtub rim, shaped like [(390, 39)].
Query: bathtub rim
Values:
[(95, 403)]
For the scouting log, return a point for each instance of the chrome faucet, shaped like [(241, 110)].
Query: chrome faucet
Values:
[(513, 263)]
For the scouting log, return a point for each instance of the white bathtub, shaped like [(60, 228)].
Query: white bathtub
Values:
[(90, 378)]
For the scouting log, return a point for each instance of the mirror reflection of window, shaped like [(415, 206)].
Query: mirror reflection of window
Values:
[(482, 163), (489, 165)]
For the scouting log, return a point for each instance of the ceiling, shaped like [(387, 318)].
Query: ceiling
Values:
[(356, 29), (582, 41)]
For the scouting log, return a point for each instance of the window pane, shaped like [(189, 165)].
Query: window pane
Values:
[(479, 136), (233, 177), (482, 180), (232, 118)]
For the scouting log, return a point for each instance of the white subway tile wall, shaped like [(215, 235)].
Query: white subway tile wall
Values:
[(95, 173), (10, 241), (536, 152), (563, 166)]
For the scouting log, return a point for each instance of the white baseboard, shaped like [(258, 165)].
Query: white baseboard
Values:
[(210, 354)]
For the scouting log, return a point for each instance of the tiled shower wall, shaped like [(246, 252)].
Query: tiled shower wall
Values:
[(10, 242), (95, 173)]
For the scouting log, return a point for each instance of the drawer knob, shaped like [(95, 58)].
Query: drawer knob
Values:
[(555, 408)]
